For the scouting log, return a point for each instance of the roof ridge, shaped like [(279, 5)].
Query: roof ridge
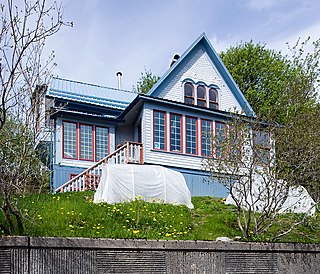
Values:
[(94, 85)]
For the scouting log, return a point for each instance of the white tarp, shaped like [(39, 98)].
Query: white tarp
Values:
[(120, 183), (297, 199)]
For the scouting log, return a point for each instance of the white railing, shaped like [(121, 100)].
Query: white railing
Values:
[(129, 153)]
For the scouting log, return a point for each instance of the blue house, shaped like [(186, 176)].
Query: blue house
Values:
[(90, 125)]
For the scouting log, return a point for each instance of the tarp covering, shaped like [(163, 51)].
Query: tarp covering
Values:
[(277, 196), (120, 183)]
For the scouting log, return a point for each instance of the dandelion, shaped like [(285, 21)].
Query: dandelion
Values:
[(135, 231), (168, 235)]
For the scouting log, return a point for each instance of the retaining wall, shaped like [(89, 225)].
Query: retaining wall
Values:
[(81, 255)]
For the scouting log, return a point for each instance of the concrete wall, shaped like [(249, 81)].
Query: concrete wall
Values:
[(75, 255)]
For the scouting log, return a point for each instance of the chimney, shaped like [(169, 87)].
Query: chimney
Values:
[(119, 74), (175, 59)]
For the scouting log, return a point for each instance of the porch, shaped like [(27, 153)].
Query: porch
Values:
[(129, 153)]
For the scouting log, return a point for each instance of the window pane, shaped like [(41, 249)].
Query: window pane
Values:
[(213, 105), (188, 90), (159, 130), (69, 140), (175, 132), (220, 139), (261, 147), (205, 137), (213, 94), (102, 142), (86, 142), (201, 92), (191, 135)]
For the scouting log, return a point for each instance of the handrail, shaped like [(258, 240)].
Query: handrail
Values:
[(130, 152)]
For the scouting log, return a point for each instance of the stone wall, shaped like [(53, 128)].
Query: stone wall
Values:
[(80, 255)]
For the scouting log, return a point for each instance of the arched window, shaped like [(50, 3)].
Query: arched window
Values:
[(188, 93), (213, 98), (201, 96)]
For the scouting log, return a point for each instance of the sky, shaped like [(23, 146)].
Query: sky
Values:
[(133, 35)]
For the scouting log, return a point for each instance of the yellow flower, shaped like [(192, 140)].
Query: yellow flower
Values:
[(135, 231)]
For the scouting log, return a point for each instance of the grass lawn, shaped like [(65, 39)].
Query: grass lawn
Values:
[(75, 215)]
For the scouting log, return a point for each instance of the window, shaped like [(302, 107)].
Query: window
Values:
[(84, 142), (201, 96), (102, 142), (220, 130), (188, 94), (159, 130), (204, 96), (86, 145), (213, 98), (69, 140), (261, 147), (191, 135), (175, 132), (206, 131), (235, 146)]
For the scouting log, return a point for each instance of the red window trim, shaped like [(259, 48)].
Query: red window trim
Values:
[(78, 141), (205, 95), (92, 142), (165, 129), (213, 102), (181, 133), (95, 141), (186, 96), (211, 130), (197, 148), (70, 122)]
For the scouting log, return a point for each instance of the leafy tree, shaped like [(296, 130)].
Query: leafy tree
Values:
[(146, 81), (273, 84), (25, 26)]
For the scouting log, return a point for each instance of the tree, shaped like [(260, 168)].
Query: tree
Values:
[(25, 26), (272, 83), (146, 81), (261, 185)]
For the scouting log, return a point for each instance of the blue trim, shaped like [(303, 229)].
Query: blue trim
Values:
[(216, 61), (200, 83)]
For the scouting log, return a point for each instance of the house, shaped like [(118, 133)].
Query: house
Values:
[(168, 126)]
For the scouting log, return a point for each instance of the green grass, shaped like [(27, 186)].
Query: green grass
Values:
[(75, 215)]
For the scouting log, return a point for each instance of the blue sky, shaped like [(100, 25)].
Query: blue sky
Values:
[(130, 35)]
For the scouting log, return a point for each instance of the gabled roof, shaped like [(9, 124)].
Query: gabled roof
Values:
[(90, 94), (217, 62)]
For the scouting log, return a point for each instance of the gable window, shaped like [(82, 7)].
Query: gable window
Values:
[(102, 142), (159, 130), (201, 96), (84, 142), (206, 131), (261, 147), (213, 98), (70, 140), (191, 135), (188, 93), (175, 132), (220, 130)]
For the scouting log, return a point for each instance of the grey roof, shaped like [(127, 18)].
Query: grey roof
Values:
[(91, 94)]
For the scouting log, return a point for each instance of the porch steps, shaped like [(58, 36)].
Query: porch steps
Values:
[(129, 153)]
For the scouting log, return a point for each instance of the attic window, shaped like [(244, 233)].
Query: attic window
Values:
[(188, 93), (204, 96), (213, 98), (201, 95)]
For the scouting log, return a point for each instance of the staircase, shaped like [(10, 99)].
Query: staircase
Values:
[(129, 153)]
